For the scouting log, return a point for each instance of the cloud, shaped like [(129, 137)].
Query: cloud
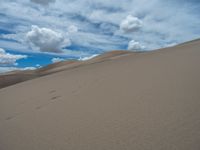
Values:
[(47, 40), (87, 58), (8, 69), (72, 29), (99, 22), (134, 46), (7, 59), (43, 2), (170, 44), (55, 60), (130, 24), (38, 66), (28, 68)]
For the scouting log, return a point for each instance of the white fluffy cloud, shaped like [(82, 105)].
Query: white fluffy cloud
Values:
[(130, 24), (55, 60), (47, 40), (43, 2), (7, 59), (134, 46)]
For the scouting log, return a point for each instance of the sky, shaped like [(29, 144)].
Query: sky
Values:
[(35, 33)]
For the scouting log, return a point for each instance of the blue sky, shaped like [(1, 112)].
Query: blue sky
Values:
[(34, 33)]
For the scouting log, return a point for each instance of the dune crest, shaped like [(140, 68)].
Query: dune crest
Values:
[(14, 77)]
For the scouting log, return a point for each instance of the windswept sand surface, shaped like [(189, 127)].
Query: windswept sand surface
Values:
[(142, 101), (14, 77)]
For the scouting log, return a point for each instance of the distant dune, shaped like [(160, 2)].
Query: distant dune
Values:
[(117, 101), (14, 77)]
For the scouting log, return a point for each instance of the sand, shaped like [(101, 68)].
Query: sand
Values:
[(14, 77), (134, 101)]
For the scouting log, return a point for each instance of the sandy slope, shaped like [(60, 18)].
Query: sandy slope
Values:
[(14, 77), (143, 101)]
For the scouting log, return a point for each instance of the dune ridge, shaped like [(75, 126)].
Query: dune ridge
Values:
[(14, 77)]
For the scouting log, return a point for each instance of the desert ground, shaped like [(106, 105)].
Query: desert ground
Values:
[(117, 101)]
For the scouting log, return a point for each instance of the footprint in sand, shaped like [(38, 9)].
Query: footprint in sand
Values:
[(9, 118), (39, 107), (55, 97), (13, 116), (52, 99)]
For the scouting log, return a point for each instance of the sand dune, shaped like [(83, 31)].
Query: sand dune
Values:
[(125, 101), (13, 77)]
